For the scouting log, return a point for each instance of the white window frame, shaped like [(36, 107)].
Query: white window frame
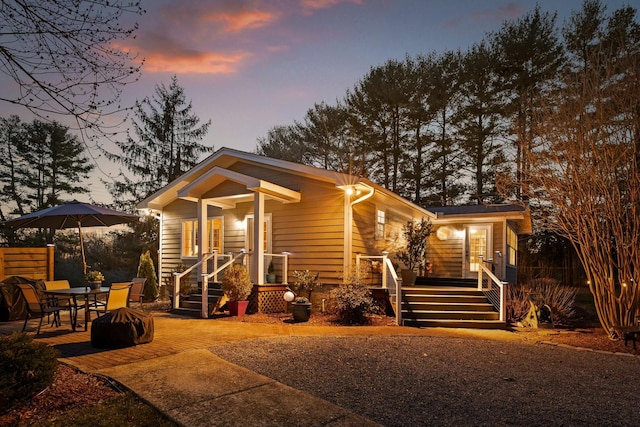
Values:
[(193, 253), (381, 226), (511, 250)]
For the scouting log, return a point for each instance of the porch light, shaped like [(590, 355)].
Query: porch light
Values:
[(443, 233), (349, 191), (239, 224)]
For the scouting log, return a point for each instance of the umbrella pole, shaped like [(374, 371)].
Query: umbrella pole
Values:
[(84, 262)]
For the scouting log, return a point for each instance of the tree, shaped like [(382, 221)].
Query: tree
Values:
[(13, 164), (41, 164), (478, 122), (283, 142), (167, 145), (531, 56), (444, 157), (587, 167), (66, 57)]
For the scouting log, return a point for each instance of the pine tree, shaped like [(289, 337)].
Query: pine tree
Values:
[(167, 145)]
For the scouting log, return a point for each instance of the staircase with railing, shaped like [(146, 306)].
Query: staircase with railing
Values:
[(208, 294), (443, 302)]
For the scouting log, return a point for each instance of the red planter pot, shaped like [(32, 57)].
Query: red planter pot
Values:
[(237, 308)]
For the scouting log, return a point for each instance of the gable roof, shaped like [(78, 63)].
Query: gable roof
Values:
[(191, 183)]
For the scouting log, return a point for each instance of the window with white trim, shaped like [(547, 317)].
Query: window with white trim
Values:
[(512, 246), (190, 246), (380, 224)]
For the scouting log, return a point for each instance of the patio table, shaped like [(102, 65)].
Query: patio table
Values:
[(75, 294)]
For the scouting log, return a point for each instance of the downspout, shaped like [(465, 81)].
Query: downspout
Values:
[(348, 223)]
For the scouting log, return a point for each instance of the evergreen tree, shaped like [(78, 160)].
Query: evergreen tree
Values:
[(530, 55), (167, 145), (479, 124)]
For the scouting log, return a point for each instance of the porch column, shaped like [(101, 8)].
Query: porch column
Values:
[(257, 263), (347, 233), (202, 235)]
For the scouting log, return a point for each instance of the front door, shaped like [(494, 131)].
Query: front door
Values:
[(478, 243)]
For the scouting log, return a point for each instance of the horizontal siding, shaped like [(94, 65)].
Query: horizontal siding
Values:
[(445, 255), (32, 263)]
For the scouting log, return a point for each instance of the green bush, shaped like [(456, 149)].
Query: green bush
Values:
[(26, 367), (352, 301), (147, 270), (561, 299), (236, 283)]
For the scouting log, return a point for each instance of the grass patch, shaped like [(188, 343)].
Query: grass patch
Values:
[(123, 410)]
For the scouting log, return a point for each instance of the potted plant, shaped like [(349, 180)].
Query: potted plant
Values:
[(271, 273), (236, 285), (414, 255), (301, 306), (94, 279)]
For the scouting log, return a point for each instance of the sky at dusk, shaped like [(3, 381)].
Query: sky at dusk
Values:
[(252, 65)]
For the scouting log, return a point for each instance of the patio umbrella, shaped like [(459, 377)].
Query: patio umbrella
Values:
[(72, 214)]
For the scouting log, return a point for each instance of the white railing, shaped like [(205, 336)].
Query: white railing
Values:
[(497, 296), (284, 263), (389, 279), (177, 276), (204, 312)]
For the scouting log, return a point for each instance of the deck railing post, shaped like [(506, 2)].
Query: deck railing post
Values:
[(204, 313), (176, 290)]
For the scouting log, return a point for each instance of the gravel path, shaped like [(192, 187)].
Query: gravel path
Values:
[(420, 381)]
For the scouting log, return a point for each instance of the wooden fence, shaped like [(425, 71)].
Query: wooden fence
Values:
[(32, 263)]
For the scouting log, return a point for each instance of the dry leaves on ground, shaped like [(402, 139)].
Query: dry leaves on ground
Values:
[(70, 389)]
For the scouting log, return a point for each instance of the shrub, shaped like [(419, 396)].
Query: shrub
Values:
[(561, 299), (147, 270), (352, 300), (26, 367), (236, 283)]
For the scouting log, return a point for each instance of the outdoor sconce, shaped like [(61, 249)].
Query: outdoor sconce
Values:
[(443, 233)]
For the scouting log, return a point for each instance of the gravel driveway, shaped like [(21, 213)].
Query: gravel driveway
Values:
[(430, 381)]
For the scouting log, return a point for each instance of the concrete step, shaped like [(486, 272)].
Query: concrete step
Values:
[(446, 323)]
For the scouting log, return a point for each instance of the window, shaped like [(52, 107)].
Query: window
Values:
[(380, 223), (512, 246), (190, 242)]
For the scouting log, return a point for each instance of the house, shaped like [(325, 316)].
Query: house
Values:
[(295, 217)]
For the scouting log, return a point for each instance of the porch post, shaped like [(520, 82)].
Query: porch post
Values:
[(348, 237), (202, 235), (257, 263)]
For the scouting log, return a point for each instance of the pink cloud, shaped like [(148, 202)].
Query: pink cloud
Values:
[(201, 63), (311, 5), (241, 20)]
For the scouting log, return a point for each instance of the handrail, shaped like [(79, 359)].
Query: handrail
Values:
[(179, 275), (389, 280), (285, 264), (204, 312), (499, 301)]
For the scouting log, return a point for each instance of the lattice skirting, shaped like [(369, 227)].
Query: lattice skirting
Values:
[(268, 299)]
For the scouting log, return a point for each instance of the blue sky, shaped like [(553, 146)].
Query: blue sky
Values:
[(251, 65)]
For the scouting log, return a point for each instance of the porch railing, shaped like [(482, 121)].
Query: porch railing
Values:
[(217, 268), (284, 263), (204, 313), (389, 278), (496, 295)]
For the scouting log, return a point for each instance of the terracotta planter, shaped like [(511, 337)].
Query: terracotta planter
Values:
[(301, 311), (237, 308)]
